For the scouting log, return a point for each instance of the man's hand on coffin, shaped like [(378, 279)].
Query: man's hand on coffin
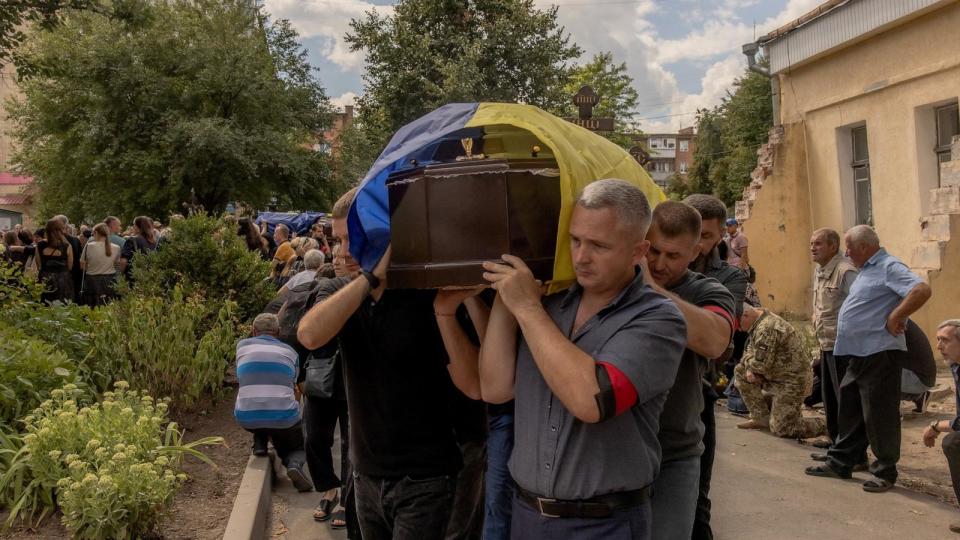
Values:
[(515, 284), (447, 301)]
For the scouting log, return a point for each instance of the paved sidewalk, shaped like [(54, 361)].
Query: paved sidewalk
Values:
[(292, 516)]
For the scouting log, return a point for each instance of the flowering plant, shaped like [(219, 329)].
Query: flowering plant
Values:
[(114, 465)]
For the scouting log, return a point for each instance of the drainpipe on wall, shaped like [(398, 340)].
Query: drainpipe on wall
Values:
[(751, 50)]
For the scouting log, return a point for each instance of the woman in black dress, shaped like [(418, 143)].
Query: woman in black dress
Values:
[(54, 258)]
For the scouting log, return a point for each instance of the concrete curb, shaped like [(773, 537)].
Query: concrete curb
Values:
[(251, 508)]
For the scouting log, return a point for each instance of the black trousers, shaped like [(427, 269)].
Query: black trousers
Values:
[(466, 520), (288, 442), (320, 421), (320, 418), (701, 522), (832, 370), (951, 449), (404, 508), (869, 415)]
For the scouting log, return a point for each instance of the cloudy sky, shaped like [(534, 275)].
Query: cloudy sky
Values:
[(682, 54)]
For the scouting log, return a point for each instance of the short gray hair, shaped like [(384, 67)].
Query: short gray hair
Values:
[(863, 235), (266, 323), (831, 236), (626, 199), (313, 259), (955, 323)]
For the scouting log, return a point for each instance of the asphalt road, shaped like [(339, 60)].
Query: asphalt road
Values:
[(760, 492)]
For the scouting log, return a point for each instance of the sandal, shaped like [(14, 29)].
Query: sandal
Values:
[(325, 506), (877, 485), (339, 520)]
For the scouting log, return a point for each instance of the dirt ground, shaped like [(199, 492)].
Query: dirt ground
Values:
[(202, 508)]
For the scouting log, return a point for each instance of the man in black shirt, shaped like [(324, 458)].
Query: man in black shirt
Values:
[(708, 309), (402, 441), (75, 271), (713, 214)]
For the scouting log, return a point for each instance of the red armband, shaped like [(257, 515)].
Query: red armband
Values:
[(624, 394)]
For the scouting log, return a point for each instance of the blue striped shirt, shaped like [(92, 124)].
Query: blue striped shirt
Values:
[(267, 370)]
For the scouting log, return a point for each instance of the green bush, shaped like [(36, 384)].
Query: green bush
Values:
[(204, 255), (29, 369), (114, 466), (165, 346)]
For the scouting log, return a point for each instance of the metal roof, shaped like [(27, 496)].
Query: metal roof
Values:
[(14, 200), (10, 179), (835, 24)]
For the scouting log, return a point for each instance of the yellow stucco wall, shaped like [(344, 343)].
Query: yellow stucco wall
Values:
[(779, 230), (8, 89), (890, 83)]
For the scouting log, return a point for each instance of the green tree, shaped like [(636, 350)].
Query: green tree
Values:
[(427, 54), (15, 15), (728, 137), (179, 102), (618, 97)]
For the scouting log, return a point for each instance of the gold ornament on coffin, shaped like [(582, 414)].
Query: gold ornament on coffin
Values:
[(467, 144)]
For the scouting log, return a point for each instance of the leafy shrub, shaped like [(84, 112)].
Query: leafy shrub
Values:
[(114, 466), (17, 287), (165, 346), (204, 254), (29, 369)]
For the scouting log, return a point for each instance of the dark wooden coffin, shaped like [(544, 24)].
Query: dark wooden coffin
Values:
[(446, 219)]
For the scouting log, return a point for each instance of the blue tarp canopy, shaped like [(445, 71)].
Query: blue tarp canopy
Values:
[(299, 223)]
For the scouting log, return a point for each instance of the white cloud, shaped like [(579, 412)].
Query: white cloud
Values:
[(327, 19), (347, 98)]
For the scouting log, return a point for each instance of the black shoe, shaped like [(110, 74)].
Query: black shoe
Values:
[(921, 403), (260, 445), (819, 456), (826, 471), (300, 480)]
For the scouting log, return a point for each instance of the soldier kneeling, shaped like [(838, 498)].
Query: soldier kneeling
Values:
[(775, 361)]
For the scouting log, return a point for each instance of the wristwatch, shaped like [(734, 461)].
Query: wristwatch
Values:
[(373, 280), (933, 426)]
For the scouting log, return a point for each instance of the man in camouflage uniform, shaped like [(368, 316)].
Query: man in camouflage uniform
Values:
[(777, 361)]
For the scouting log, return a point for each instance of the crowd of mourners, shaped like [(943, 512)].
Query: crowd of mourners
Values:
[(502, 412)]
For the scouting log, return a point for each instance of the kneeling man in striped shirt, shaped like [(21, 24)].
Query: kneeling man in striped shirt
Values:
[(268, 402)]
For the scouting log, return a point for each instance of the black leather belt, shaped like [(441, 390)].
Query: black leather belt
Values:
[(600, 506)]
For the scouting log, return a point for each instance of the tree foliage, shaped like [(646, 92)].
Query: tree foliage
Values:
[(728, 137), (42, 14), (178, 102), (618, 97), (427, 54)]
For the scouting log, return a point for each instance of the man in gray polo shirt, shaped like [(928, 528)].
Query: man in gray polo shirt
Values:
[(590, 374)]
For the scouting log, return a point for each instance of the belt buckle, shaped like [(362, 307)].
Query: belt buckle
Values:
[(540, 501)]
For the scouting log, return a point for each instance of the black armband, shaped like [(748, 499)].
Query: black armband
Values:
[(606, 400)]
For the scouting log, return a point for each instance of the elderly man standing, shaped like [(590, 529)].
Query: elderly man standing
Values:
[(775, 361), (870, 329), (948, 343), (590, 373), (835, 275)]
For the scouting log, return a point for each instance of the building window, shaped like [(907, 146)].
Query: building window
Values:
[(654, 143), (683, 166), (861, 176), (948, 125), (684, 146), (670, 143)]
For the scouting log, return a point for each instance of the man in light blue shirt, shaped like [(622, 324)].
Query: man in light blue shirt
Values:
[(870, 331)]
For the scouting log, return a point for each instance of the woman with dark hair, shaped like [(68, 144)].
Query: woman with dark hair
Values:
[(54, 258), (144, 240), (14, 251), (247, 230), (99, 264)]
